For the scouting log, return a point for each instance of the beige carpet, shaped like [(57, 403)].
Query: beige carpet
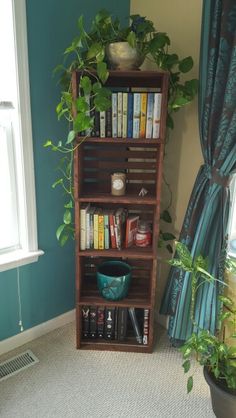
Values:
[(90, 384)]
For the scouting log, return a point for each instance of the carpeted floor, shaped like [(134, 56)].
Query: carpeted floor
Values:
[(71, 383)]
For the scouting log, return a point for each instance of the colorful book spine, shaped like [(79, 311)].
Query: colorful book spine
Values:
[(122, 323), (136, 115), (88, 230), (103, 124), (130, 115), (83, 226), (114, 115), (97, 123), (92, 115), (124, 114), (95, 230), (149, 119), (119, 114), (143, 115), (100, 232), (85, 321), (130, 230), (106, 232), (110, 323), (145, 326), (92, 322), (112, 230), (156, 115)]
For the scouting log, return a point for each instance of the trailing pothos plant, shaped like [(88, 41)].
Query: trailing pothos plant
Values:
[(87, 53), (209, 350)]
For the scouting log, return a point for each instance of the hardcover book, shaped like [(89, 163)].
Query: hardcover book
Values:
[(124, 114), (100, 321), (156, 115), (92, 322), (100, 231), (83, 226), (136, 114), (130, 115), (103, 124), (122, 323), (108, 119), (85, 321), (114, 115), (135, 324), (143, 115), (119, 114), (149, 121), (110, 323), (145, 326)]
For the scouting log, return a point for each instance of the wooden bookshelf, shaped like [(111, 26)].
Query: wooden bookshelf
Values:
[(95, 160)]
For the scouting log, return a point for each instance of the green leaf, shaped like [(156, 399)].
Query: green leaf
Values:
[(48, 143), (131, 39), (102, 71), (165, 216), (85, 84), (159, 40), (184, 254), (186, 366), (167, 236), (67, 217), (59, 231), (69, 205), (71, 137), (186, 65), (63, 239), (180, 102), (102, 103), (81, 104), (189, 384), (82, 122), (96, 51), (226, 301)]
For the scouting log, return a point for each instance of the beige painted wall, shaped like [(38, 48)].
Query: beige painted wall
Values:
[(181, 19)]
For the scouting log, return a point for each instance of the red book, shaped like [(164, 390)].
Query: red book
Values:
[(131, 228), (112, 230)]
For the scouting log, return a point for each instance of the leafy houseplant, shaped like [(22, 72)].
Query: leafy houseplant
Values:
[(87, 53), (215, 353)]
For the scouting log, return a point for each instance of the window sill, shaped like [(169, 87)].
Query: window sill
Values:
[(18, 258)]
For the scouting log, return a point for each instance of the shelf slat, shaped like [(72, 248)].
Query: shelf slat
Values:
[(115, 346), (126, 199), (136, 141), (140, 253)]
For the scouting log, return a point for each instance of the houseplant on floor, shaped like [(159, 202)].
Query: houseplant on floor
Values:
[(87, 53), (214, 353)]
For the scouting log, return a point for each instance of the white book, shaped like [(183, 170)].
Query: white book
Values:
[(124, 114), (149, 121), (156, 115), (83, 225), (102, 124), (136, 115), (114, 115), (89, 228), (119, 114)]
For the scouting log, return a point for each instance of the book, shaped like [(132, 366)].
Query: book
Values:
[(145, 326), (143, 115), (92, 322), (136, 114), (130, 230), (109, 323), (95, 229), (114, 114), (120, 218), (85, 321), (130, 115), (112, 229), (97, 123), (122, 323), (124, 114), (119, 114), (106, 230), (100, 231), (103, 124), (156, 115), (100, 321), (89, 228), (135, 324), (149, 118), (83, 226), (108, 120)]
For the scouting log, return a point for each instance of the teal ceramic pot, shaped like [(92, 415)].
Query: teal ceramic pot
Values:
[(113, 278)]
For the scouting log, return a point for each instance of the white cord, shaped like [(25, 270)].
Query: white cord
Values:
[(19, 300)]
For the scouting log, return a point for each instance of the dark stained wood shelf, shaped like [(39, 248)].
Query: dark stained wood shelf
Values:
[(126, 199), (114, 345), (125, 141), (133, 252)]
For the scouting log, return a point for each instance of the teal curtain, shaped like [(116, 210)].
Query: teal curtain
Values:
[(205, 223)]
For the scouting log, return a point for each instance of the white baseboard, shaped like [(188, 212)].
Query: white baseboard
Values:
[(35, 332), (162, 319)]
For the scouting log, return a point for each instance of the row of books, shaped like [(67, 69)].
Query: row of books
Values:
[(104, 229), (115, 323), (132, 115)]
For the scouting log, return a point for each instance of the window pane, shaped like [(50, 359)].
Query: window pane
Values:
[(9, 235)]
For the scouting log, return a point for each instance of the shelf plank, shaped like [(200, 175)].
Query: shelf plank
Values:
[(115, 346), (126, 199), (135, 252), (126, 141)]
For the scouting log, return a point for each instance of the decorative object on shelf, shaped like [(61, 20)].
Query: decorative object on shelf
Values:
[(118, 184), (122, 56), (143, 236), (113, 278)]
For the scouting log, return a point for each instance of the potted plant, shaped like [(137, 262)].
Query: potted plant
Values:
[(87, 53), (214, 353)]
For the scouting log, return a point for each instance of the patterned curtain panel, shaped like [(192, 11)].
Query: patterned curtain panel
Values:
[(205, 223)]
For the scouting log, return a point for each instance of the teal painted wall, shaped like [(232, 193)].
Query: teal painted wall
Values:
[(47, 287)]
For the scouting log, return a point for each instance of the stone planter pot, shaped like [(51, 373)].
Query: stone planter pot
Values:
[(121, 56), (223, 400)]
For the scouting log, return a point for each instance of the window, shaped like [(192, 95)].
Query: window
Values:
[(18, 231), (232, 218)]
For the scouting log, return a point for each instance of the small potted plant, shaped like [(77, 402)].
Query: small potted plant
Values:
[(214, 353)]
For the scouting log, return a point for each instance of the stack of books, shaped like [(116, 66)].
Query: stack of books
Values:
[(132, 115), (113, 323), (102, 229)]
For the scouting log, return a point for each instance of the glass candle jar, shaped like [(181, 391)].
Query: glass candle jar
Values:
[(118, 183), (143, 235)]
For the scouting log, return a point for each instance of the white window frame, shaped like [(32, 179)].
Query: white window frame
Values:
[(232, 215), (29, 251)]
